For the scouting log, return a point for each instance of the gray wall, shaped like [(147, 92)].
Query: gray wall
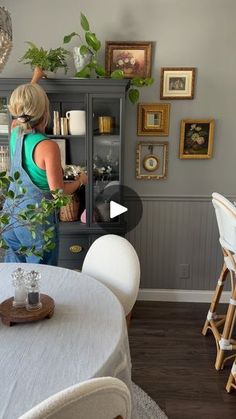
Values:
[(186, 33)]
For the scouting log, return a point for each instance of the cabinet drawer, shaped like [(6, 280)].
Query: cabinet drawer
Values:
[(73, 248)]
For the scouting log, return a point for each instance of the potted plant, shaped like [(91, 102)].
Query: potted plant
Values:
[(42, 60), (86, 60), (31, 216)]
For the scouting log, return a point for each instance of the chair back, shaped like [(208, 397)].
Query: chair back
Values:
[(112, 260), (99, 398), (226, 220)]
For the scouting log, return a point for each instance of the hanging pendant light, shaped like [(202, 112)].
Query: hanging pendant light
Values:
[(5, 36)]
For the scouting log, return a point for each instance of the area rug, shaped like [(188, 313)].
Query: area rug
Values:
[(143, 406)]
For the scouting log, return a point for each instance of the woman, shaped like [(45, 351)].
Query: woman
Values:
[(38, 161)]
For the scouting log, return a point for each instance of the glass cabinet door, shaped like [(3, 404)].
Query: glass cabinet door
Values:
[(106, 155)]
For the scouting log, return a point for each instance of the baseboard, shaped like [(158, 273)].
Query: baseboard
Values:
[(187, 296)]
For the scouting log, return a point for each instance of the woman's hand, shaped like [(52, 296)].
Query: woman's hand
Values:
[(38, 74)]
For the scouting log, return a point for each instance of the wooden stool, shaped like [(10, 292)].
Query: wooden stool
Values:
[(214, 321), (226, 219), (231, 383)]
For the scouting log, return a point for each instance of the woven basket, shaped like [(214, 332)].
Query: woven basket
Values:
[(70, 212)]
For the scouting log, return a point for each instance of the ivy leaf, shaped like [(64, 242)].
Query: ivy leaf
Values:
[(10, 194), (117, 74), (3, 245), (33, 233), (100, 70), (137, 81), (148, 81), (4, 219), (85, 72), (49, 246), (83, 50), (133, 95), (92, 41), (68, 38), (16, 175), (92, 64), (84, 22), (31, 206)]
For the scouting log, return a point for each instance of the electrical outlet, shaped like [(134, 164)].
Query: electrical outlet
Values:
[(184, 270)]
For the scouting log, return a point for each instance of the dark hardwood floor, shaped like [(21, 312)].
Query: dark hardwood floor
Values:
[(174, 363)]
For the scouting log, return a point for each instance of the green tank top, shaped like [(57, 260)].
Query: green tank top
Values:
[(37, 175)]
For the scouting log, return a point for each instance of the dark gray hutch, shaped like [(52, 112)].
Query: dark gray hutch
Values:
[(101, 154)]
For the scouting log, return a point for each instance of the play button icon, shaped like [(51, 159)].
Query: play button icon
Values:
[(116, 209)]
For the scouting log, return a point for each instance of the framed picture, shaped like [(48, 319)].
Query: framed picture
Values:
[(62, 146), (151, 160), (177, 83), (133, 58), (196, 138), (153, 119)]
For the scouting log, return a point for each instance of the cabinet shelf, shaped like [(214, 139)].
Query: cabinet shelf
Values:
[(82, 137)]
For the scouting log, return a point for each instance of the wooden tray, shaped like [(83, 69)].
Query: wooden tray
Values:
[(11, 315)]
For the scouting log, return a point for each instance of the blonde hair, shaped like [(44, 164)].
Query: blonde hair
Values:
[(29, 105)]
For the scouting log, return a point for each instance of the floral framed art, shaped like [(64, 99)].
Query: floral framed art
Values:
[(133, 58), (153, 119), (151, 160), (196, 138), (177, 83)]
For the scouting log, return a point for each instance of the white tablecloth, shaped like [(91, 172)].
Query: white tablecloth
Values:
[(85, 338)]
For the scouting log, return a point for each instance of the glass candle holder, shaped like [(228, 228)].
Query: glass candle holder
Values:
[(18, 281), (33, 294)]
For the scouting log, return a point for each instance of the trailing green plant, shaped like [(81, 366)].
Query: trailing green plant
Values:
[(49, 60), (92, 45), (31, 216), (135, 84)]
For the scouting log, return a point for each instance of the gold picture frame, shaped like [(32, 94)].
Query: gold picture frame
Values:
[(177, 82), (153, 119), (151, 160), (133, 58), (196, 138)]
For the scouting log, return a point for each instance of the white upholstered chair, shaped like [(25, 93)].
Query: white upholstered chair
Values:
[(98, 398), (226, 220), (112, 260)]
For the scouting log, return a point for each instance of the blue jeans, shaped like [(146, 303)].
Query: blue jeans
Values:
[(20, 236)]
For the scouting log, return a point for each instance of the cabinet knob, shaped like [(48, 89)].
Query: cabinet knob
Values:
[(76, 248)]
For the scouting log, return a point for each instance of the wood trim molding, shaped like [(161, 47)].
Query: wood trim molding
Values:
[(176, 198), (175, 295)]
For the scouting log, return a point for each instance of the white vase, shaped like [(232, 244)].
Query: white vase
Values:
[(81, 60), (77, 122)]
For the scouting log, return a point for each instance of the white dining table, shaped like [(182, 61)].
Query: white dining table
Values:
[(86, 337)]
